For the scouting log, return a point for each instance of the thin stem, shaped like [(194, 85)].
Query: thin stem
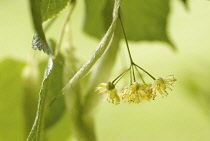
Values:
[(134, 78), (145, 71), (126, 41), (115, 83), (71, 7), (49, 24), (139, 74), (122, 74), (130, 74)]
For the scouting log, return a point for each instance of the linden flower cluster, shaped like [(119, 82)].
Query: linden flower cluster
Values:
[(136, 92)]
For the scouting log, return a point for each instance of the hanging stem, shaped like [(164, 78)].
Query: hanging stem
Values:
[(71, 7), (122, 74), (119, 78), (132, 71), (145, 71), (126, 41), (130, 74), (139, 74), (134, 78)]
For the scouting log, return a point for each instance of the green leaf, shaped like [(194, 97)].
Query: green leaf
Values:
[(11, 119), (52, 84), (51, 8), (143, 20), (39, 40), (98, 17), (96, 54)]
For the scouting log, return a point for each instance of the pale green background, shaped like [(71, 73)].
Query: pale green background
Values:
[(177, 117)]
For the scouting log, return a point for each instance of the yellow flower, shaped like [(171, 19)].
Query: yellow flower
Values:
[(109, 92), (161, 84), (136, 93), (131, 94), (146, 92)]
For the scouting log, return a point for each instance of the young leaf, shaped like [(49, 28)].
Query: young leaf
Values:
[(52, 84), (50, 8), (143, 20), (39, 40), (97, 53)]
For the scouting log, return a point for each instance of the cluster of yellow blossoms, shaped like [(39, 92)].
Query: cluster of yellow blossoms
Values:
[(136, 92)]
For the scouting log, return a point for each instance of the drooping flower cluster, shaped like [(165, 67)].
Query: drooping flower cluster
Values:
[(136, 92)]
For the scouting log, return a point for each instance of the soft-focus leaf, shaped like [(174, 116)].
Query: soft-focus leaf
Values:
[(148, 20), (143, 20), (11, 120), (52, 84), (98, 17), (199, 92), (185, 2), (50, 8), (39, 40), (61, 130)]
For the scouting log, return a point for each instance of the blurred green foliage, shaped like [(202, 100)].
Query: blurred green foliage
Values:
[(11, 119), (177, 117), (143, 20)]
